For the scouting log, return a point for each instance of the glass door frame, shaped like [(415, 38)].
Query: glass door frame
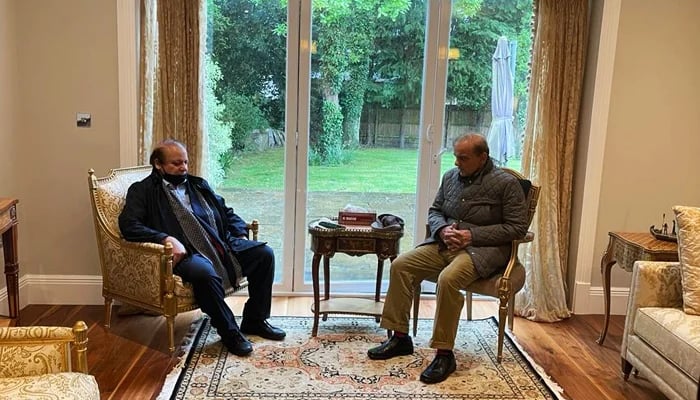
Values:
[(432, 116), (297, 123)]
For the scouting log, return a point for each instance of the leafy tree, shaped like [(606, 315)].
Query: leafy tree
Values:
[(395, 76), (244, 117), (369, 54), (476, 35), (396, 71), (244, 40), (218, 131), (346, 56)]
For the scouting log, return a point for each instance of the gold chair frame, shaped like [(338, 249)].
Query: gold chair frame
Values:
[(70, 345)]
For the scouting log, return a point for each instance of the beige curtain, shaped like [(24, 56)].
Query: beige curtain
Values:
[(171, 71), (558, 57)]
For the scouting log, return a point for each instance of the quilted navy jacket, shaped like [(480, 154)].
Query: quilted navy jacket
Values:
[(148, 217), (492, 206)]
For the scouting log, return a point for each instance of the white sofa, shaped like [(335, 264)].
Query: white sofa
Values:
[(660, 340)]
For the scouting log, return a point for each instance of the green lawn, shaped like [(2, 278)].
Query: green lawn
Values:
[(369, 170)]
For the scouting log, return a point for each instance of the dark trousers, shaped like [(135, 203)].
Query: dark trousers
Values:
[(258, 265)]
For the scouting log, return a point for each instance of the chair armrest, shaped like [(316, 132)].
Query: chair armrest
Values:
[(253, 228), (134, 270), (654, 284), (38, 350), (529, 237)]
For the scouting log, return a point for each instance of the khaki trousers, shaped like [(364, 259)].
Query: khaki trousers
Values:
[(452, 270)]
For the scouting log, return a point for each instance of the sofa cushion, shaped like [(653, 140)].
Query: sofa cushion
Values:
[(688, 220), (65, 385), (672, 333)]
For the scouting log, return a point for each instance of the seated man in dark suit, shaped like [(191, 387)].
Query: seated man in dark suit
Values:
[(210, 243), (478, 210)]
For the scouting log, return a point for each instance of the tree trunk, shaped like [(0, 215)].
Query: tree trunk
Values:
[(353, 101), (402, 133)]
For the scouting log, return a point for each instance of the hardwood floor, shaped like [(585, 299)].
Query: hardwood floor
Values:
[(130, 361)]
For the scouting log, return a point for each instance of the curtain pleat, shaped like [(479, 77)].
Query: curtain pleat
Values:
[(558, 58), (171, 94)]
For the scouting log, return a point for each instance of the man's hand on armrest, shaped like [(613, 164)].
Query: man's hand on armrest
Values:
[(179, 251)]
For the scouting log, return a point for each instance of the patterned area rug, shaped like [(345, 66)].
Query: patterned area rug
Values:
[(334, 365)]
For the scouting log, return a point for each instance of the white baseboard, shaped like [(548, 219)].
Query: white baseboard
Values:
[(591, 300), (55, 289)]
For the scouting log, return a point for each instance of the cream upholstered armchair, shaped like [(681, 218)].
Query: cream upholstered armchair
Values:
[(504, 285), (45, 362), (137, 274), (662, 328), (660, 340)]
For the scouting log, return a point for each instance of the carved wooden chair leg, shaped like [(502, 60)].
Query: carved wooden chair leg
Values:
[(170, 322), (511, 311), (501, 329), (108, 311), (416, 307), (468, 299), (626, 369)]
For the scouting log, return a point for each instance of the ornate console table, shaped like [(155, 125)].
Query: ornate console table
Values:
[(355, 242), (624, 248), (8, 229)]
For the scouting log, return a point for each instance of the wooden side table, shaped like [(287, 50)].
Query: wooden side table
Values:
[(355, 241), (8, 229), (624, 248)]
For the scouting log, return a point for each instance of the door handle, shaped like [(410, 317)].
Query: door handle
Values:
[(429, 133)]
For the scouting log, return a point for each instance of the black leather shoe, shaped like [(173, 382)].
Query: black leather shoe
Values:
[(263, 329), (438, 370), (394, 347), (237, 344)]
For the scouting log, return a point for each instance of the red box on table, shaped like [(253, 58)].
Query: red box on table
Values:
[(356, 218)]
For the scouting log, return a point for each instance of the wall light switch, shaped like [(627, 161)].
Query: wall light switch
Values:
[(83, 120)]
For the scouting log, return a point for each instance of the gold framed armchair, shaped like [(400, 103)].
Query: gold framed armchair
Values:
[(137, 274), (47, 362), (504, 285)]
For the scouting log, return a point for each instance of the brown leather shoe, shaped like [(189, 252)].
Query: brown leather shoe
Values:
[(394, 347)]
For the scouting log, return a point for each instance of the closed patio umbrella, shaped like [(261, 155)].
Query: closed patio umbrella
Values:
[(500, 135)]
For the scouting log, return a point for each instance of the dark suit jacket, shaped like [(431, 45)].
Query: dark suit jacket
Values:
[(148, 217)]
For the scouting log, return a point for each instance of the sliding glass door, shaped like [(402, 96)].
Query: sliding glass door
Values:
[(313, 107)]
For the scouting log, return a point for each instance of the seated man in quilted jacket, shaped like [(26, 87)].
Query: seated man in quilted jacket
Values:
[(478, 210), (210, 243)]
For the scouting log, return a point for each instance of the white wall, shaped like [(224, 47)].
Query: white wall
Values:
[(8, 94), (61, 58), (651, 152), (646, 158)]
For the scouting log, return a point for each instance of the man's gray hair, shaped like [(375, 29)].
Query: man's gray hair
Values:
[(478, 140), (159, 152)]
